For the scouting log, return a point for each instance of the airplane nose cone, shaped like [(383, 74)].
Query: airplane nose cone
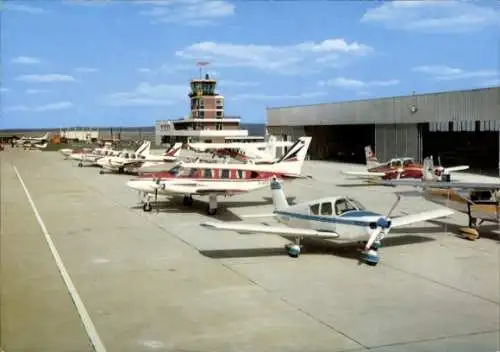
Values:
[(383, 223)]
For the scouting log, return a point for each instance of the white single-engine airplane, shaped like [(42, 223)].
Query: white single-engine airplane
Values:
[(336, 219), (128, 161), (86, 157), (207, 179), (479, 200)]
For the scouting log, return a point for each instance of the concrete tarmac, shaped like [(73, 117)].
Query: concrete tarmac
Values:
[(158, 281)]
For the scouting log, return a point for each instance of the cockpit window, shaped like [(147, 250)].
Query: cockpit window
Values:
[(342, 206), (396, 163), (174, 170), (326, 208), (408, 162), (314, 209), (132, 156), (356, 204)]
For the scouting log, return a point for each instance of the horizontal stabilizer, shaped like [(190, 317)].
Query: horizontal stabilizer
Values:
[(272, 230), (424, 216)]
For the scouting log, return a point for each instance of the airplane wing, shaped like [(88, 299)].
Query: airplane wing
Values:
[(272, 230), (363, 174), (438, 184), (420, 217)]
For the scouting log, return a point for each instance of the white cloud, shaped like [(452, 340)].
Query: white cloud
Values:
[(4, 90), (36, 91), (348, 83), (26, 60), (54, 77), (443, 72), (9, 5), (433, 15), (229, 83), (251, 96), (88, 2), (187, 12), (61, 105), (86, 69), (279, 59), (146, 94), (144, 70)]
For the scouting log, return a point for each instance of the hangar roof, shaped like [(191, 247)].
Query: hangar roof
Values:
[(476, 104)]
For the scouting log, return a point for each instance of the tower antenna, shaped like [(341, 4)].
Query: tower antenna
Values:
[(202, 64)]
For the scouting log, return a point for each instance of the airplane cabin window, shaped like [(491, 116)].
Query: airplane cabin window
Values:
[(207, 173), (132, 156), (326, 208), (225, 173), (407, 162), (314, 209)]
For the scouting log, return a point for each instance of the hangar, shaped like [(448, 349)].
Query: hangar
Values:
[(460, 127)]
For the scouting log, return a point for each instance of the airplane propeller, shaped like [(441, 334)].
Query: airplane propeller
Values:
[(382, 225)]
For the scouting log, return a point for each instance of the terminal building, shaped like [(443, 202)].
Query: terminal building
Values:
[(459, 127)]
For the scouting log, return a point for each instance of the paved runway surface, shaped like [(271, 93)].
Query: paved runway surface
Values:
[(160, 282)]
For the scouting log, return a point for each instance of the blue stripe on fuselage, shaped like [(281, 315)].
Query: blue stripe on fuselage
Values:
[(354, 213), (330, 219)]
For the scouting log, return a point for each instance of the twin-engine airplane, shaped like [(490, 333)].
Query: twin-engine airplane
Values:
[(213, 180), (245, 152), (399, 168), (134, 161), (86, 157), (36, 142), (336, 219), (479, 200)]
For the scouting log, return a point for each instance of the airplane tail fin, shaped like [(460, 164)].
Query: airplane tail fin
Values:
[(279, 197), (174, 151), (428, 169), (371, 159), (294, 158), (144, 148)]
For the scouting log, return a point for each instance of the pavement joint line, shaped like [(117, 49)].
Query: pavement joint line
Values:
[(287, 302), (442, 284), (80, 307), (434, 339)]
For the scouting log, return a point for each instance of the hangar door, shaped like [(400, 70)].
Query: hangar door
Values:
[(474, 143), (398, 140), (343, 143)]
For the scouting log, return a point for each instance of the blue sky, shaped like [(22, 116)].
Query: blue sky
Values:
[(128, 63)]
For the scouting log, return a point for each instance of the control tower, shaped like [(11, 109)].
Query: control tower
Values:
[(205, 102)]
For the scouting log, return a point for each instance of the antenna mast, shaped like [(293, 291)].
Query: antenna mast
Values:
[(202, 64)]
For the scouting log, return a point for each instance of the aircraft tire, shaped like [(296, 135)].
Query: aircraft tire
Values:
[(80, 164), (147, 207), (211, 212)]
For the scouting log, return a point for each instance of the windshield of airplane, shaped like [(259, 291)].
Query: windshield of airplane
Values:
[(357, 204), (408, 161), (175, 170)]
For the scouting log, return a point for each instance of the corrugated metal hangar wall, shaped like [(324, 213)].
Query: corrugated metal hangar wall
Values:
[(411, 125)]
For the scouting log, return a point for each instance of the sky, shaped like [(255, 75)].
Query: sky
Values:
[(128, 63)]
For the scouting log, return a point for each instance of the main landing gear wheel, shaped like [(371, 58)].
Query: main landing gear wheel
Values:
[(147, 207), (472, 232), (121, 170), (80, 164), (101, 172), (187, 201), (211, 211)]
